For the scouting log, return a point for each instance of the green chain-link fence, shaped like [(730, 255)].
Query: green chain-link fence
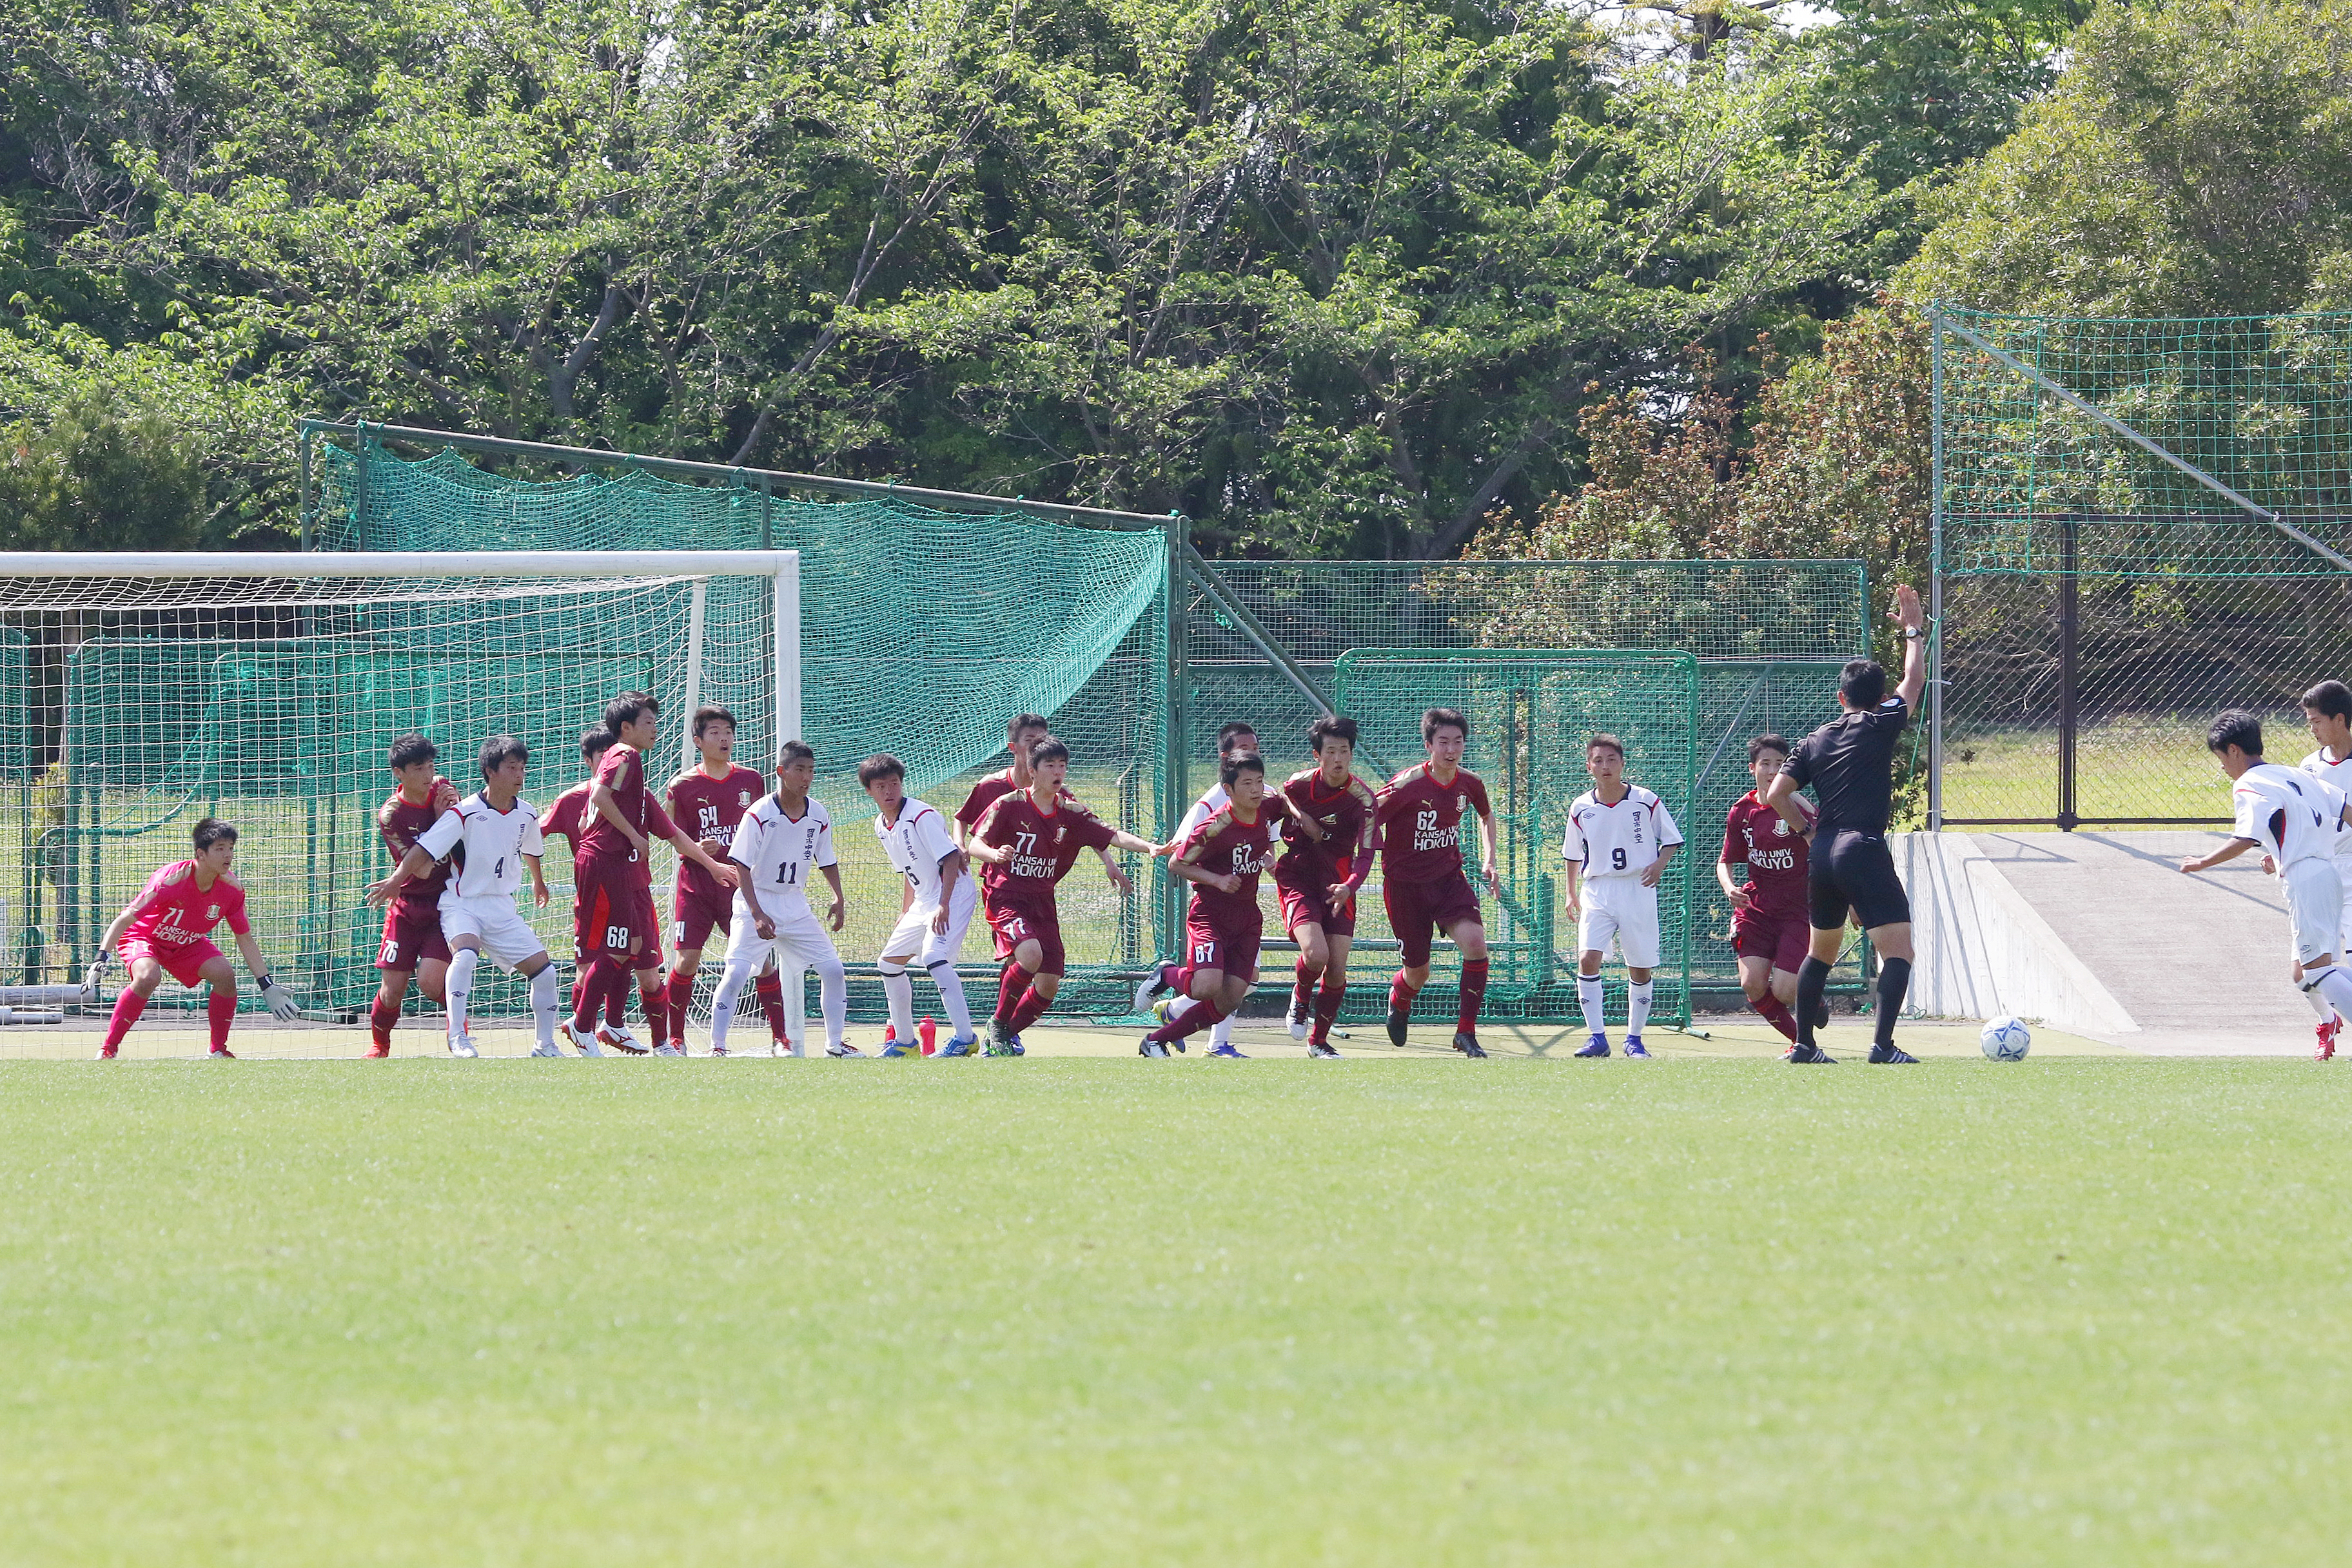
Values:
[(2139, 522)]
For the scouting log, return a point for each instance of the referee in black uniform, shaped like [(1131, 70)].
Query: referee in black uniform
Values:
[(1850, 764)]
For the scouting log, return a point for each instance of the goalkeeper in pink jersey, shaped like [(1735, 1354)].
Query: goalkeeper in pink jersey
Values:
[(163, 931)]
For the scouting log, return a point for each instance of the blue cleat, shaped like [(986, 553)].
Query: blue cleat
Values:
[(1014, 1047), (1597, 1046), (896, 1048), (1633, 1048), (1227, 1050), (961, 1045)]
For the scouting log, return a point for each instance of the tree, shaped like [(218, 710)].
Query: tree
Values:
[(103, 474), (2196, 160)]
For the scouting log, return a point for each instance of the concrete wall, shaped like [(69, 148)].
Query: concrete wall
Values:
[(1982, 951)]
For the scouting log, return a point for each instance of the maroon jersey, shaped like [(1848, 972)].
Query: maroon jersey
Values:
[(623, 770), (568, 816), (1754, 835), (994, 788), (400, 823), (707, 810), (1045, 844), (1421, 823), (1230, 846), (1342, 813)]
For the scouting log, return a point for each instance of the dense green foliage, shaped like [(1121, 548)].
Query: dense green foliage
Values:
[(1329, 277), (1086, 1311)]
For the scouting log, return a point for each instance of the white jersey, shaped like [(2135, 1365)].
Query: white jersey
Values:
[(916, 844), (2290, 815), (783, 852), (2337, 771), (1207, 807), (492, 844), (1619, 840)]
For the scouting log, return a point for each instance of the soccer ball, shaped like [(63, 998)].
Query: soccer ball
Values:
[(2006, 1040)]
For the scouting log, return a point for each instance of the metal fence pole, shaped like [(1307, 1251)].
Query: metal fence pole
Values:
[(1936, 577), (2069, 639)]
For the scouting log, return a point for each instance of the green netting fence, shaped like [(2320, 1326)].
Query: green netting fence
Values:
[(2101, 600)]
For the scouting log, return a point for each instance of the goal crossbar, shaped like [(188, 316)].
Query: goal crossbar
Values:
[(584, 563)]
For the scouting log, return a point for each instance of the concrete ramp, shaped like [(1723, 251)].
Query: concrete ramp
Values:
[(2101, 934)]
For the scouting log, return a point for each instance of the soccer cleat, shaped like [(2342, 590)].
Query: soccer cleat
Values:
[(1322, 1048), (1597, 1046), (1468, 1044), (2326, 1033), (1014, 1043), (719, 1051), (583, 1040), (1227, 1050), (1000, 1039), (1634, 1047), (893, 1048), (463, 1045), (106, 1053), (667, 1049), (1151, 1048), (374, 1051), (958, 1046), (1806, 1056), (1148, 989), (1889, 1056), (843, 1051), (1821, 1013), (1165, 1007), (621, 1039), (223, 1054), (1296, 1017), (1399, 1018), (549, 1048)]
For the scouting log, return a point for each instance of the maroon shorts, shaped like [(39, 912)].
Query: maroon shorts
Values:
[(1016, 923), (612, 912), (184, 962), (1783, 938), (699, 913), (411, 937), (1419, 910), (1312, 907), (1214, 944)]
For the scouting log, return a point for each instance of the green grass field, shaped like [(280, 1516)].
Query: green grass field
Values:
[(1084, 1312)]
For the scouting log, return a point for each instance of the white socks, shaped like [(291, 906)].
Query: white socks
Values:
[(1637, 1006), (2329, 981), (898, 991), (1220, 1033), (462, 965), (951, 984), (833, 994), (1589, 997), (722, 1005), (546, 1003)]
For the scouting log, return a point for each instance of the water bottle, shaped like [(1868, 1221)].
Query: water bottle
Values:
[(930, 1031)]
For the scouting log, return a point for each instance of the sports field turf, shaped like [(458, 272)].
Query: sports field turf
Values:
[(1055, 1311)]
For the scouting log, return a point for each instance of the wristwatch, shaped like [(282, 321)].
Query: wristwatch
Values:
[(1913, 633)]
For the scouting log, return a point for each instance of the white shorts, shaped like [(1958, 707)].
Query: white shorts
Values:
[(800, 940), (497, 927), (1619, 907), (2314, 908), (913, 933)]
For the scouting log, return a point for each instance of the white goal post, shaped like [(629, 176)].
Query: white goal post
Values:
[(148, 690)]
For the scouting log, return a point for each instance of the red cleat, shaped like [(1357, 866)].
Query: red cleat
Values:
[(376, 1048), (2326, 1033), (223, 1054), (106, 1053)]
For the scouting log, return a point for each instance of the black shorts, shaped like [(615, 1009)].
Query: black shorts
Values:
[(1854, 870)]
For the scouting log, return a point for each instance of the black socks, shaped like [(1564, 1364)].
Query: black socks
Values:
[(1812, 980), (1894, 980)]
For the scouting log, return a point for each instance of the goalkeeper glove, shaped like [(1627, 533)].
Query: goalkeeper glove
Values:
[(95, 976), (282, 1006)]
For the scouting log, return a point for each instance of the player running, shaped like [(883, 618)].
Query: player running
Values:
[(1319, 902), (934, 912), (613, 872), (2298, 822), (1621, 837), (1768, 934), (782, 840), (1222, 925), (162, 931), (1417, 824), (1850, 762), (707, 801), (2328, 709), (1029, 841), (413, 944), (1235, 739), (490, 836)]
